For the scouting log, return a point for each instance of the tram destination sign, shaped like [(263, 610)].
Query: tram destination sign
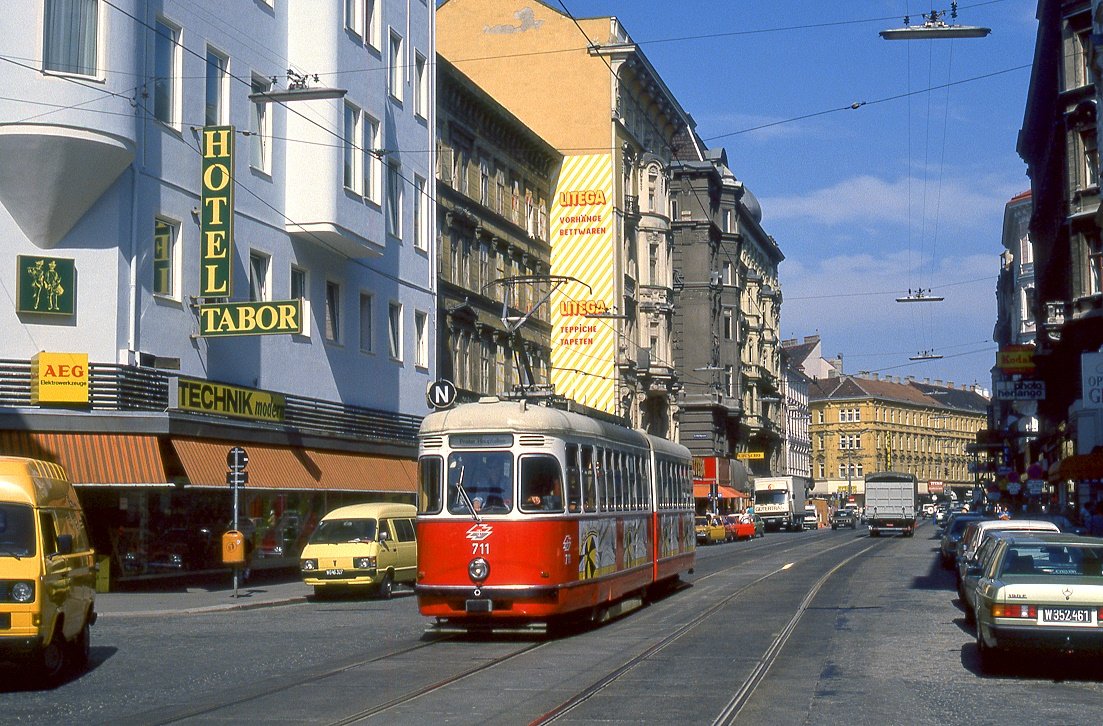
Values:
[(1028, 390)]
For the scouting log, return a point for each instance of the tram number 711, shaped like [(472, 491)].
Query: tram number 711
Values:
[(480, 548)]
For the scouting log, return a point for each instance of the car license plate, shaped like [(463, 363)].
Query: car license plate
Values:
[(335, 573), (1066, 616), (479, 606)]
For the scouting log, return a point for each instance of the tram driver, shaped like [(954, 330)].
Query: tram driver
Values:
[(542, 490)]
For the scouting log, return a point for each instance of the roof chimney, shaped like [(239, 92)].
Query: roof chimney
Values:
[(938, 381)]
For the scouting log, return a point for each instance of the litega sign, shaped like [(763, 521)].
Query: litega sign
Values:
[(190, 394), (45, 285), (59, 378), (217, 220)]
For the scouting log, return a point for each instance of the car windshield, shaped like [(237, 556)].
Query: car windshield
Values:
[(337, 531), (700, 521), (959, 524), (1054, 558), (16, 531)]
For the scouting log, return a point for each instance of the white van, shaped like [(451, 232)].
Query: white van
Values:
[(363, 546)]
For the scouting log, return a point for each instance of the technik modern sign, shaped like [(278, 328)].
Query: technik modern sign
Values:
[(197, 396)]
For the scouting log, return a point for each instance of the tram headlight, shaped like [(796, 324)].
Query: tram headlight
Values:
[(478, 569)]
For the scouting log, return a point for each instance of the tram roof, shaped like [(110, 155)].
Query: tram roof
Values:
[(527, 417)]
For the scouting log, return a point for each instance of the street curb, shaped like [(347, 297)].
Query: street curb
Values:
[(204, 609)]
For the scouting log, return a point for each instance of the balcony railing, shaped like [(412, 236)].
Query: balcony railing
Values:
[(132, 388)]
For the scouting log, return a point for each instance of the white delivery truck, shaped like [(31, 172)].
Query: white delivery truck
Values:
[(779, 500), (892, 498)]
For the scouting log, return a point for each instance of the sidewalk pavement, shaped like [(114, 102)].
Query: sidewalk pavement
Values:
[(201, 597)]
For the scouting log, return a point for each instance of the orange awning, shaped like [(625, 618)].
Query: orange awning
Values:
[(701, 491), (93, 459), (1082, 466), (281, 467)]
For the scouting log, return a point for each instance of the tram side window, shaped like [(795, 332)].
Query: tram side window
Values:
[(541, 484), (574, 486), (630, 481), (589, 486), (618, 480), (599, 479), (429, 498)]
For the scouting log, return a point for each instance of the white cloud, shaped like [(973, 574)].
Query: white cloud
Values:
[(868, 199)]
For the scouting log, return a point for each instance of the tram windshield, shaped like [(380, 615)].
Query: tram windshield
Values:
[(486, 477)]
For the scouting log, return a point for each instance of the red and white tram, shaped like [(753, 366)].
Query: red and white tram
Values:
[(529, 514)]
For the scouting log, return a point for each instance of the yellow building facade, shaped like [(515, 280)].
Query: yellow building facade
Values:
[(862, 425), (591, 93)]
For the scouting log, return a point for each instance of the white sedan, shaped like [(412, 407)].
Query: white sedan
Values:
[(1040, 592)]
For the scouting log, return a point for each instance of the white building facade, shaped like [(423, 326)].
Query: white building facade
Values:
[(330, 201)]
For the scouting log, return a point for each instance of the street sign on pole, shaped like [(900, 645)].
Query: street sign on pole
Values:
[(236, 459)]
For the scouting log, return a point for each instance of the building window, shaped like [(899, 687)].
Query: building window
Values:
[(371, 8), (373, 158), (822, 470), (354, 175), (354, 18), (333, 312), (421, 86), (165, 236), (729, 223), (729, 381), (421, 218), (217, 90), (729, 274), (421, 331), (395, 76), (71, 31), (365, 322), (530, 214), (484, 182), (487, 353), (166, 76), (258, 276), (500, 199), (394, 330), (484, 264), (729, 320), (394, 200), (298, 284), (260, 127)]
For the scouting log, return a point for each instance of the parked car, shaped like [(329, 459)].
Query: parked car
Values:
[(710, 529), (844, 518), (975, 566), (741, 526), (975, 532), (952, 535), (811, 517), (1040, 592), (1063, 523)]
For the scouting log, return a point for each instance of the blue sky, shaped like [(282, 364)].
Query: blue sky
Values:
[(905, 192)]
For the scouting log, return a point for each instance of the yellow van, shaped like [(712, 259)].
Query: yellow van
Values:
[(47, 570), (368, 546)]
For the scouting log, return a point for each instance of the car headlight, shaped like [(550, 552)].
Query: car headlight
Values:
[(22, 591), (308, 564), (363, 563), (478, 569)]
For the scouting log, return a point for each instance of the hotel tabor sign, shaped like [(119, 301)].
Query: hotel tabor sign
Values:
[(217, 214), (251, 318)]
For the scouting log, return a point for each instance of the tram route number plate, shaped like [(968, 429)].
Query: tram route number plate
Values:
[(479, 606), (1065, 616)]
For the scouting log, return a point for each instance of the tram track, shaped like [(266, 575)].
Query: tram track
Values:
[(221, 706), (735, 704)]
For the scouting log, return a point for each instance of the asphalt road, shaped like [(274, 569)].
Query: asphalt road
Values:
[(817, 627)]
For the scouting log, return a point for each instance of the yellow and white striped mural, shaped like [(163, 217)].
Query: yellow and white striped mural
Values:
[(583, 247)]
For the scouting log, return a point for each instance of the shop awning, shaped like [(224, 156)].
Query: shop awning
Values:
[(1082, 466), (93, 459), (701, 491), (282, 467)]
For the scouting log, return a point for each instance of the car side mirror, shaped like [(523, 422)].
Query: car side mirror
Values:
[(65, 544), (384, 536)]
